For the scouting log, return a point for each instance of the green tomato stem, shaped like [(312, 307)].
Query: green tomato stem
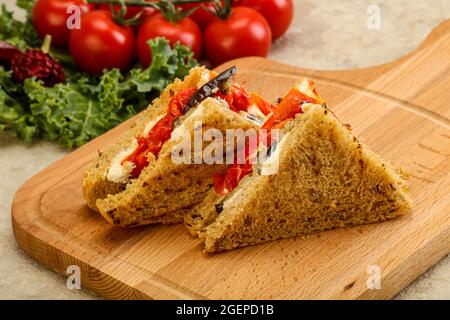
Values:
[(222, 11), (47, 43), (63, 58), (140, 3), (167, 8)]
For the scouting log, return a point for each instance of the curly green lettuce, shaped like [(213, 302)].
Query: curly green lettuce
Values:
[(84, 107), (13, 113), (18, 33)]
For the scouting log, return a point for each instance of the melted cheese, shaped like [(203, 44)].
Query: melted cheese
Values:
[(121, 172), (254, 110), (118, 172), (270, 166), (307, 87), (204, 79), (149, 126)]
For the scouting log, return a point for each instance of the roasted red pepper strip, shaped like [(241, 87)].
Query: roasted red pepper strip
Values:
[(226, 183), (265, 107), (160, 132), (238, 99), (287, 109)]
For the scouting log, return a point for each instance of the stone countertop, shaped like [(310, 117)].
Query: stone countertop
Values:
[(326, 34)]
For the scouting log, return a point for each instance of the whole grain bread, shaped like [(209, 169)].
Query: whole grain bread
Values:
[(165, 189), (95, 184), (327, 179)]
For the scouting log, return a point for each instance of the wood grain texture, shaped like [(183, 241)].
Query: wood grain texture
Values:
[(400, 109)]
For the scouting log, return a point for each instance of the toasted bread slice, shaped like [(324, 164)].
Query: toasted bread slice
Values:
[(326, 179), (95, 183), (166, 187)]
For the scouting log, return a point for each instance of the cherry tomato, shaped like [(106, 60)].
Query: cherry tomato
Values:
[(132, 11), (184, 31), (101, 43), (278, 13), (50, 17), (244, 33), (147, 12), (201, 16)]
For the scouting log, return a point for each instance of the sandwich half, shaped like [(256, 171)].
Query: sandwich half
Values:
[(138, 181), (324, 178), (100, 178)]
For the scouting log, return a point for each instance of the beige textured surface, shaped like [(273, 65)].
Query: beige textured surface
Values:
[(328, 34)]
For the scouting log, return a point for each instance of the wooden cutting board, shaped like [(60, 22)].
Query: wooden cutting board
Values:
[(400, 109)]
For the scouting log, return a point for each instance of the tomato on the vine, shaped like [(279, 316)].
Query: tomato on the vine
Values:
[(244, 33), (101, 43), (278, 13), (132, 11), (185, 32), (50, 17), (201, 16)]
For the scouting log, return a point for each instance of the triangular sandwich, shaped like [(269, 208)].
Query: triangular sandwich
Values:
[(324, 178)]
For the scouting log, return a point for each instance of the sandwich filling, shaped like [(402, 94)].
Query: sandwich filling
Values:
[(129, 163), (289, 107)]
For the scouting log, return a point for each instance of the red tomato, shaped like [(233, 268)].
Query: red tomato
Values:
[(101, 43), (132, 11), (185, 31), (147, 12), (50, 17), (244, 33), (201, 16), (278, 13)]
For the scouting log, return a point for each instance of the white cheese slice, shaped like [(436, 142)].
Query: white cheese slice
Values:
[(270, 166), (254, 110), (118, 172), (149, 126)]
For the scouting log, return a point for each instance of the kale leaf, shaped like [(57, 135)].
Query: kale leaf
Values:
[(74, 112)]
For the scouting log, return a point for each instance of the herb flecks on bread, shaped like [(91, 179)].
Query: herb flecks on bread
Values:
[(327, 178)]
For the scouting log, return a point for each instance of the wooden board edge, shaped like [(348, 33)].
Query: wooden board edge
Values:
[(92, 279), (422, 260)]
